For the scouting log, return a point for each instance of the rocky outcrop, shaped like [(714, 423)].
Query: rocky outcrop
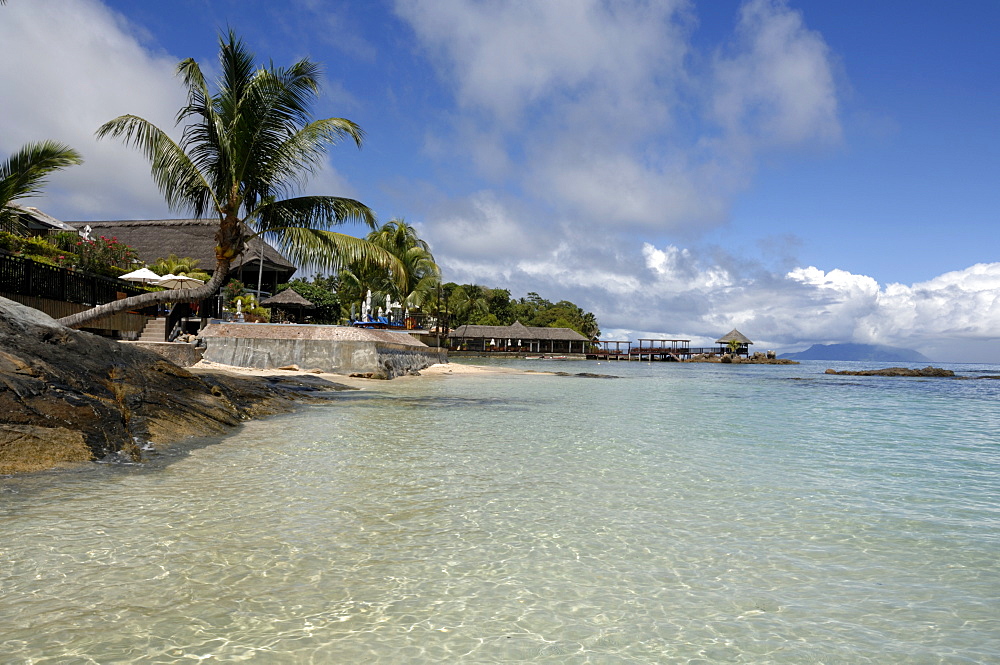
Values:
[(897, 371), (727, 358), (70, 396)]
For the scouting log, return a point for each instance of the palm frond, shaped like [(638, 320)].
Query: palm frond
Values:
[(177, 177), (24, 173), (311, 212), (331, 251)]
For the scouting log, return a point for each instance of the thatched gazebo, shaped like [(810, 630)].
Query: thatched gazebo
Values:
[(742, 340), (285, 301)]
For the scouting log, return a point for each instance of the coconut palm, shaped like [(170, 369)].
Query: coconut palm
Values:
[(24, 174), (245, 147), (411, 283), (420, 274), (470, 303)]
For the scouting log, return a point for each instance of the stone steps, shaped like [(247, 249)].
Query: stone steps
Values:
[(154, 331)]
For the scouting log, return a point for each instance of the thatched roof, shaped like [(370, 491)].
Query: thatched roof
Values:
[(517, 331), (285, 299), (194, 238), (731, 335)]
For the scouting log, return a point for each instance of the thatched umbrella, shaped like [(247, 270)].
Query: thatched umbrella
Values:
[(287, 300), (735, 335)]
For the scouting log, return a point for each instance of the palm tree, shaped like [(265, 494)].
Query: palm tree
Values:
[(245, 147), (24, 174), (411, 283), (470, 303), (420, 274)]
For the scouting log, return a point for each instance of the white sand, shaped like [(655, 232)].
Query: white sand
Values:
[(440, 369)]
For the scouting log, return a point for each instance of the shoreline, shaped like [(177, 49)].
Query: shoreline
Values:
[(358, 382)]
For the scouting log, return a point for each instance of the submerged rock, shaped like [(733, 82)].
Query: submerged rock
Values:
[(71, 396), (897, 371)]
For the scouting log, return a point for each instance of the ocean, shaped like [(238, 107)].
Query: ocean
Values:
[(680, 513)]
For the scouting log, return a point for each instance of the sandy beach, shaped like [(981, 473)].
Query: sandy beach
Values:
[(439, 369)]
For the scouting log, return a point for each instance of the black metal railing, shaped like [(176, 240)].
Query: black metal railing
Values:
[(22, 276)]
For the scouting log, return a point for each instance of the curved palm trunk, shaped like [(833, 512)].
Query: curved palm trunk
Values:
[(146, 299)]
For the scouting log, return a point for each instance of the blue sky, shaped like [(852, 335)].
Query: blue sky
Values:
[(805, 171)]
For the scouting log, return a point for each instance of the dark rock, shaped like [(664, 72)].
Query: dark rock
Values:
[(101, 399), (897, 371)]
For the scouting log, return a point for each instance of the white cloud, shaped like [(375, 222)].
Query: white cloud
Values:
[(777, 85), (578, 101), (699, 295), (505, 57), (481, 227), (69, 67)]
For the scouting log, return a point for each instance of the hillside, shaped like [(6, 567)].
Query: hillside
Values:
[(873, 352)]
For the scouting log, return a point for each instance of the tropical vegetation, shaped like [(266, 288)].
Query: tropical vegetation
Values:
[(102, 256), (25, 173), (327, 309), (473, 304), (411, 284), (179, 265), (245, 147)]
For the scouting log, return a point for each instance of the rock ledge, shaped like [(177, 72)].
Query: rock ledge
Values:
[(70, 396)]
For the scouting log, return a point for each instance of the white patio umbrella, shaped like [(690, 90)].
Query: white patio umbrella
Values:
[(141, 275), (172, 281)]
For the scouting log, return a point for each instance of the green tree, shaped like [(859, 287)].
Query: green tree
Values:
[(24, 174), (244, 147), (327, 306), (413, 287), (499, 305), (469, 304)]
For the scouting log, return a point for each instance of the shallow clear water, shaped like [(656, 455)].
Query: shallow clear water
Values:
[(681, 513)]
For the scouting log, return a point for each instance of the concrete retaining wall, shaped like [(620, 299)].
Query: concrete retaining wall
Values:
[(335, 349)]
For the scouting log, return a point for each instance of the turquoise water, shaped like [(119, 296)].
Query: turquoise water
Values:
[(679, 514)]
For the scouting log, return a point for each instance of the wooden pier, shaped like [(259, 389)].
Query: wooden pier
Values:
[(653, 350)]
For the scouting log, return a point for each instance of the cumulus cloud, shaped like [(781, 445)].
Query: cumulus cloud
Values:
[(506, 57), (70, 67), (775, 83), (941, 317), (700, 294), (481, 227), (579, 100)]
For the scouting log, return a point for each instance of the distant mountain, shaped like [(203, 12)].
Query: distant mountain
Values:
[(873, 352)]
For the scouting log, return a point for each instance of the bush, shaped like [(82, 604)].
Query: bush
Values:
[(108, 256), (29, 246), (252, 312), (64, 240), (233, 289)]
